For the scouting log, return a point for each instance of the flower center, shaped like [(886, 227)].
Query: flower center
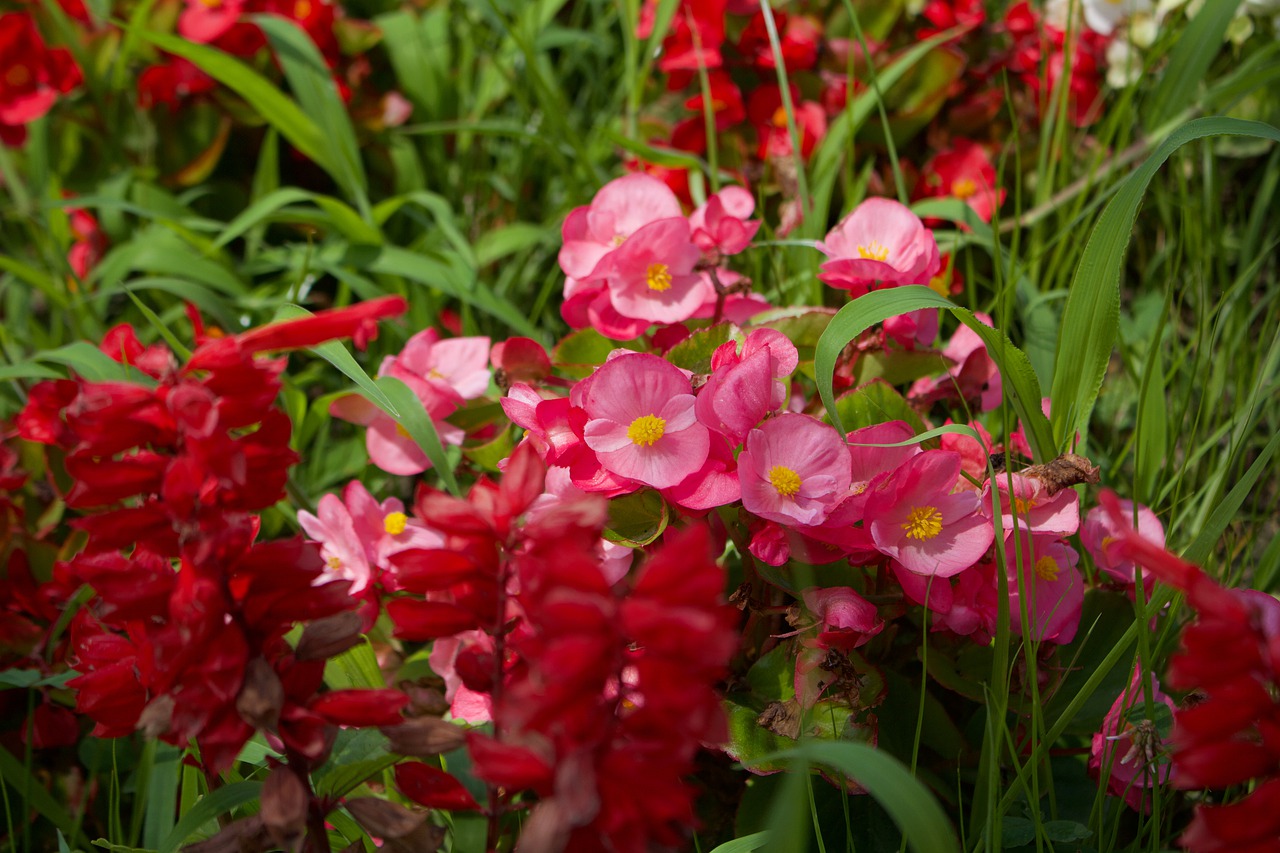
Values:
[(395, 523), (646, 430), (786, 481), (963, 188), (302, 10), (1022, 506), (780, 117), (619, 239), (334, 563), (658, 277), (1047, 569), (923, 522), (873, 252)]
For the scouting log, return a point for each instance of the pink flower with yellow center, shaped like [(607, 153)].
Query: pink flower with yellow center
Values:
[(651, 275), (793, 470), (1053, 587), (641, 422), (916, 517), (881, 241), (1100, 534)]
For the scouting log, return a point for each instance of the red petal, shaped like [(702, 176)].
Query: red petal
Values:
[(434, 788), (429, 620), (361, 707)]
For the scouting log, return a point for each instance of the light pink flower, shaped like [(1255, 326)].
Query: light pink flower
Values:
[(744, 387), (651, 277), (457, 365), (916, 519), (974, 605), (846, 620), (1121, 746), (870, 463), (722, 224), (972, 376), (1035, 510), (794, 469), (358, 535), (641, 423), (1056, 588), (465, 704), (1099, 533), (204, 20), (620, 208), (881, 240)]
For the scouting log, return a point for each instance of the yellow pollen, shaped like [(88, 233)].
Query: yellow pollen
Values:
[(402, 432), (780, 117), (786, 481), (619, 239), (18, 75), (658, 277), (1022, 505), (1047, 569), (334, 563), (963, 188), (923, 522), (859, 488), (874, 252), (646, 430), (434, 374), (302, 9), (395, 523), (1106, 542)]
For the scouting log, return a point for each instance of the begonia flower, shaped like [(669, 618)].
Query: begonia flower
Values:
[(880, 241), (1100, 535), (964, 171), (1034, 508), (1051, 585), (1131, 754), (793, 469)]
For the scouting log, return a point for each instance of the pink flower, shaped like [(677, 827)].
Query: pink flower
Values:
[(454, 365), (1128, 751), (793, 470), (1032, 507), (641, 422), (846, 620), (1100, 533), (743, 388), (870, 463), (650, 276), (972, 376), (880, 241), (620, 208), (1056, 588), (974, 605), (916, 519), (204, 20), (722, 223), (357, 535)]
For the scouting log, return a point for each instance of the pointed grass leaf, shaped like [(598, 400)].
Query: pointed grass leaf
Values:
[(414, 418), (1090, 319), (336, 353), (1021, 385), (209, 807), (1197, 47), (1202, 546), (910, 804), (745, 844), (313, 85), (280, 111)]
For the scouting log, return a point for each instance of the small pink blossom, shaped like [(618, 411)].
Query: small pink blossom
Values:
[(916, 518), (1130, 753), (845, 619), (1056, 588), (973, 376), (470, 706), (870, 462), (794, 469), (723, 224), (457, 365), (1100, 533), (1032, 507), (744, 387), (974, 605), (204, 20), (650, 276), (641, 422), (880, 241), (620, 208)]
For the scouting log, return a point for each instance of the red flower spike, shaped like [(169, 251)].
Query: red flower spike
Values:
[(433, 787), (362, 707), (429, 620)]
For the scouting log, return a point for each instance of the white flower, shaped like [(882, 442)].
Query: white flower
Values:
[(1102, 16)]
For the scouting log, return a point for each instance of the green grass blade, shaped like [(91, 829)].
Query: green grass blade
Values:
[(1196, 48), (1020, 382), (210, 806), (33, 795), (745, 844), (414, 418), (1202, 546), (1091, 316), (908, 802)]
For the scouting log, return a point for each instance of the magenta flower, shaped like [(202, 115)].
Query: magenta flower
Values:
[(641, 423), (722, 224), (1127, 751), (1035, 510), (845, 620), (870, 463), (454, 365), (881, 240), (744, 387), (916, 519), (1100, 533), (1056, 588), (204, 20), (793, 470)]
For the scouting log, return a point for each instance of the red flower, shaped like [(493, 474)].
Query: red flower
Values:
[(963, 171), (33, 74), (171, 83)]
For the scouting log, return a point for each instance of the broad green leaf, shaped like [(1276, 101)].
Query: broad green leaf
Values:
[(354, 669), (745, 844), (874, 403), (637, 519), (1021, 387), (313, 85), (93, 364), (694, 352), (1090, 320), (209, 807), (345, 220), (582, 351), (908, 802)]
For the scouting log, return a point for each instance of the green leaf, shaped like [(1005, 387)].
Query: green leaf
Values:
[(1197, 47), (1022, 388), (745, 844), (578, 353), (24, 678), (274, 106), (209, 807), (336, 353), (312, 84), (411, 415), (637, 519), (874, 403), (93, 364), (356, 668), (1202, 546), (908, 802), (18, 778), (1068, 831), (1090, 319), (694, 352), (1016, 832)]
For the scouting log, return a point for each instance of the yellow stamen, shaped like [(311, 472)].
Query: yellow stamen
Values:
[(658, 277), (780, 117), (402, 432), (1022, 506), (874, 252), (619, 239), (786, 481), (963, 188), (334, 563), (646, 430), (923, 522), (395, 523), (1047, 569)]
